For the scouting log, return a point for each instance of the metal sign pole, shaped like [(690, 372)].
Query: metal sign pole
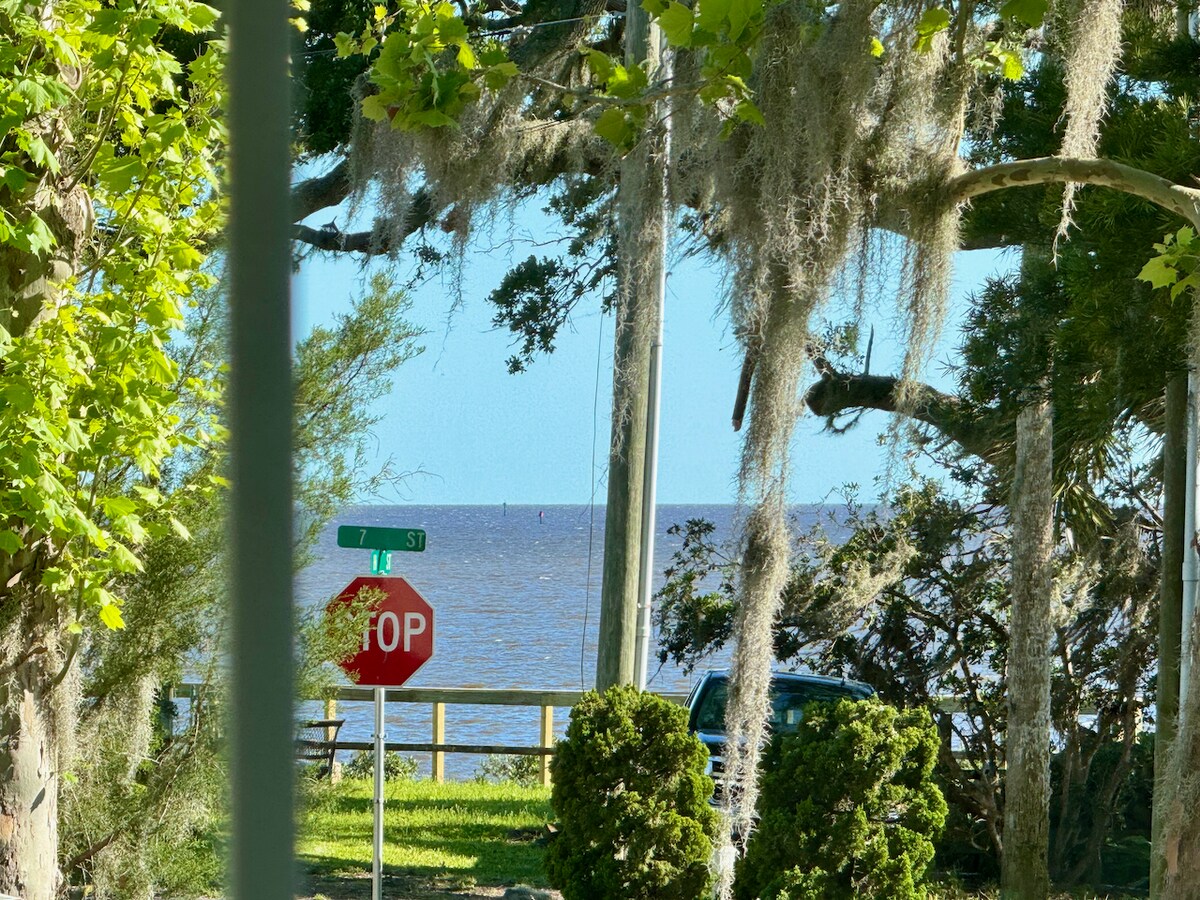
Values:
[(377, 849)]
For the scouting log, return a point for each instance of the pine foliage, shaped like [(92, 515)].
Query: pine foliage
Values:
[(849, 807), (632, 799)]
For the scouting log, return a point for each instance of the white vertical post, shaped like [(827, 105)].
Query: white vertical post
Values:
[(641, 648), (377, 849), (1191, 569)]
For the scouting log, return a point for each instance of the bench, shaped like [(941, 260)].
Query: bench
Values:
[(316, 741)]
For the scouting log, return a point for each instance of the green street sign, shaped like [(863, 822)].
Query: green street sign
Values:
[(381, 562), (362, 537)]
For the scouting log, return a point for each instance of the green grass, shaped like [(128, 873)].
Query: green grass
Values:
[(461, 833)]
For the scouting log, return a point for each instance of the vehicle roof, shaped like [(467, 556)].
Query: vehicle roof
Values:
[(800, 678)]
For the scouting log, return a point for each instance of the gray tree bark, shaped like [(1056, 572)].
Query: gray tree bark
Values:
[(38, 682), (1024, 873), (1170, 612), (28, 785), (1181, 798)]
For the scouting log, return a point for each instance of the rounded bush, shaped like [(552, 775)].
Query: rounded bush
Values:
[(848, 807), (395, 766), (631, 795)]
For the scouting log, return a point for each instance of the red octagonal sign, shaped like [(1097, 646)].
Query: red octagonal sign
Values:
[(399, 639)]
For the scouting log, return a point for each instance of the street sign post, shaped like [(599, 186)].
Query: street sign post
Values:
[(397, 641)]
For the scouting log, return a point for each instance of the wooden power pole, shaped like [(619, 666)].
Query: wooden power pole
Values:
[(641, 215)]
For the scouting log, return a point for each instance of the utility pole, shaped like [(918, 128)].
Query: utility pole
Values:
[(641, 223)]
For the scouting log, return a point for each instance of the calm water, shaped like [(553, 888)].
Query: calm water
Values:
[(516, 598)]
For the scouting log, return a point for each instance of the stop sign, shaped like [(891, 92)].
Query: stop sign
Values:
[(399, 638)]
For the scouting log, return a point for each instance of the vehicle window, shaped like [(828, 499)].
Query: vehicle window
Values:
[(787, 704), (711, 715), (787, 707)]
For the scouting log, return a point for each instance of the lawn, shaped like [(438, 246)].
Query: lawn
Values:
[(439, 839), (467, 840)]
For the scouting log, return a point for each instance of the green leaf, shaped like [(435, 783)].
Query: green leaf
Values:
[(1158, 273), (202, 17), (654, 7), (741, 13), (601, 65), (74, 628), (56, 579), (876, 47), (500, 74), (124, 560), (614, 127), (1011, 65), (713, 14), (110, 615), (748, 112), (117, 506), (180, 529), (117, 173), (433, 118), (41, 94), (676, 22), (18, 396), (375, 108), (10, 541), (34, 235), (1031, 12), (345, 43), (1190, 283), (41, 154), (627, 83), (935, 20), (14, 178)]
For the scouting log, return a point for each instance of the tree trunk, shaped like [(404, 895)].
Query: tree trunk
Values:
[(1024, 874), (33, 696), (1181, 825), (1170, 612), (29, 769), (640, 207)]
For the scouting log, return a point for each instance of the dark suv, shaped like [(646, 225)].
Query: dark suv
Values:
[(789, 694)]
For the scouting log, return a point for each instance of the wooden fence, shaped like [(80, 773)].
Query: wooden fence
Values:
[(438, 698)]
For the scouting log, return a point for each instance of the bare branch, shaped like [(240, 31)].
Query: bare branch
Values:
[(316, 194), (1183, 201), (371, 243), (837, 392)]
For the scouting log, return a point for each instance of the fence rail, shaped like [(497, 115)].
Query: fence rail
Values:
[(545, 701), (438, 698)]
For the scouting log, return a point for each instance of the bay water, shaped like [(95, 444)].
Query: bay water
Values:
[(516, 598)]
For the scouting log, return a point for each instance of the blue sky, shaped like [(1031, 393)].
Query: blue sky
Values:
[(480, 435)]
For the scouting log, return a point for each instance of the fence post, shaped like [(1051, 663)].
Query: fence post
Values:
[(331, 713), (547, 740), (439, 737), (167, 708), (331, 734)]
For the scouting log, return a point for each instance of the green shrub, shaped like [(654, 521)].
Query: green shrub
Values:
[(395, 766), (516, 769), (632, 799), (848, 808)]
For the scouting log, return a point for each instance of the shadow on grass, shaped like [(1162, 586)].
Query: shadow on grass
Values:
[(347, 883), (437, 846)]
